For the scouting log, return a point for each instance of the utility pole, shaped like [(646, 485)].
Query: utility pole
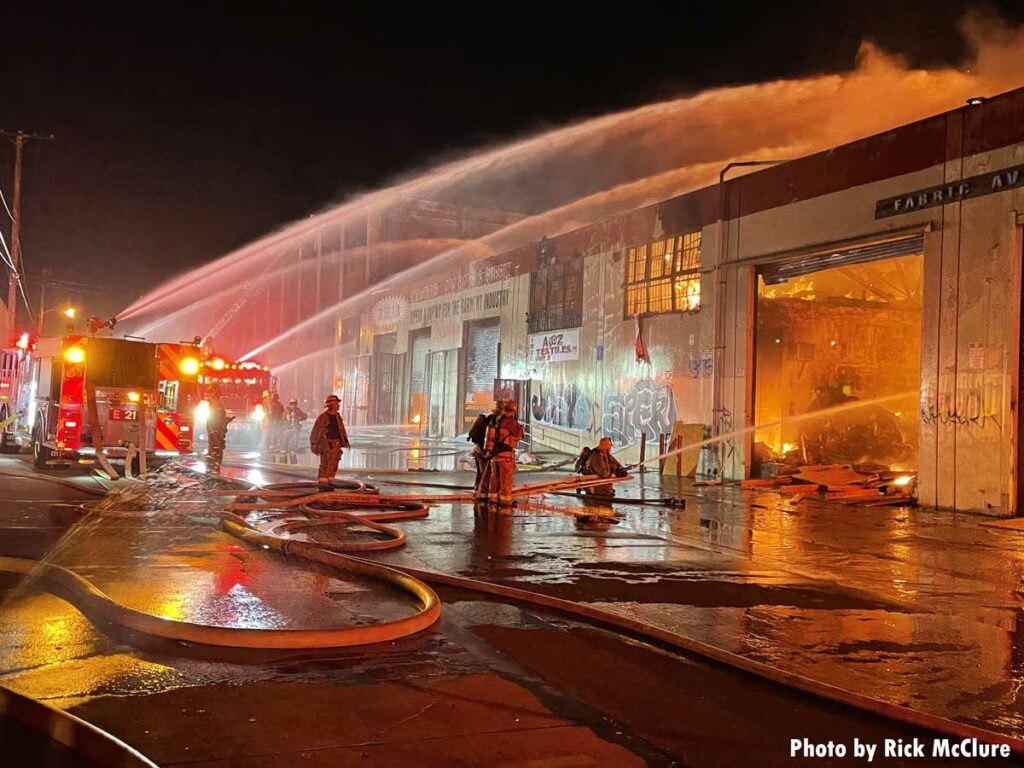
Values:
[(19, 138), (42, 296)]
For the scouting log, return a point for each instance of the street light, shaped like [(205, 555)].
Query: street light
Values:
[(68, 312)]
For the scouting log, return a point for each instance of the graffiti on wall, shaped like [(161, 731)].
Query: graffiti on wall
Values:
[(645, 408), (972, 404), (701, 366), (565, 406)]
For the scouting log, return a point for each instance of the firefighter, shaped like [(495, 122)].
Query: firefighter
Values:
[(216, 431), (275, 416), (603, 464), (478, 436), (326, 440), (499, 448), (291, 424), (265, 423)]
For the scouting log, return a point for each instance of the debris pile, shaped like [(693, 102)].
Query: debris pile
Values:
[(861, 484)]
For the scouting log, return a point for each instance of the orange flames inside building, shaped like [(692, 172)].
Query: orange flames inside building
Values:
[(833, 337)]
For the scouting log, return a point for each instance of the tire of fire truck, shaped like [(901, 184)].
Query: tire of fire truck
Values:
[(40, 453)]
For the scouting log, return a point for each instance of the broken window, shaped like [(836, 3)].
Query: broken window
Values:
[(556, 291), (664, 276)]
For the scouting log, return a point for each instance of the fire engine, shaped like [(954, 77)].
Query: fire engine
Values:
[(179, 396), (64, 396), (242, 387)]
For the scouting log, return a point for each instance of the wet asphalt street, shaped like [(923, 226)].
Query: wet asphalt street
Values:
[(910, 607)]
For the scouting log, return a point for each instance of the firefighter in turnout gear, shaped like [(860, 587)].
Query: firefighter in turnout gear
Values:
[(291, 424), (499, 447), (601, 463), (478, 436), (216, 431), (326, 440), (275, 421)]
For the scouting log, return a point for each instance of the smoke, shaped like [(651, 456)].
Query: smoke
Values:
[(573, 176)]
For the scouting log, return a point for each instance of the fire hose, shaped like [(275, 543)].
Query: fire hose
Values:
[(334, 508)]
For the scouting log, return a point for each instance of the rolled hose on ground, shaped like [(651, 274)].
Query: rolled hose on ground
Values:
[(96, 604), (416, 580)]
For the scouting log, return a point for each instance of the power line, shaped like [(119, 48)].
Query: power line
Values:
[(6, 207), (18, 138)]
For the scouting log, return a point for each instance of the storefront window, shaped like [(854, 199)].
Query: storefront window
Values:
[(664, 276)]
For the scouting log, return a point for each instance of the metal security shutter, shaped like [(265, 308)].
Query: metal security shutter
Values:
[(482, 358), (420, 348), (782, 271)]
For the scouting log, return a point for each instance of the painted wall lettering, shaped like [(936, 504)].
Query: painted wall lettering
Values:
[(645, 408), (565, 406)]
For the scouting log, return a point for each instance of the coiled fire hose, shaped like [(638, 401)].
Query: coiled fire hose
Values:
[(415, 582)]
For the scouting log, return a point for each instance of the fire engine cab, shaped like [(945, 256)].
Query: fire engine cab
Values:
[(67, 396), (242, 386)]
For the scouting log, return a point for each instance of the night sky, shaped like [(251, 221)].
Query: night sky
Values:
[(184, 135)]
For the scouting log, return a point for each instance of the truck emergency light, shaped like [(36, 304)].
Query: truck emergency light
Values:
[(189, 366), (75, 355)]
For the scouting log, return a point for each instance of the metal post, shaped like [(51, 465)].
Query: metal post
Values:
[(19, 138), (661, 452), (643, 451)]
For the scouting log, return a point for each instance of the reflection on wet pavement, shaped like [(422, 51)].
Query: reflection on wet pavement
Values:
[(914, 607)]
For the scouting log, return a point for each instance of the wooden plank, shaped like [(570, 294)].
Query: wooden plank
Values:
[(684, 464), (804, 488), (765, 482), (832, 475)]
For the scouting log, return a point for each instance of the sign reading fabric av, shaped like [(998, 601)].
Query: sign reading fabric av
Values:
[(555, 347), (955, 191)]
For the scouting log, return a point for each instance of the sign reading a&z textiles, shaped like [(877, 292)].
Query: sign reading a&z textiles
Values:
[(555, 347)]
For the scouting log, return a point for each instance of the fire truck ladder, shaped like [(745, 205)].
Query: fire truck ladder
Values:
[(249, 290)]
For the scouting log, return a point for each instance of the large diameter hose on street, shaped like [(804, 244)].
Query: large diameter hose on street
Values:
[(415, 581), (96, 604), (98, 746), (664, 638)]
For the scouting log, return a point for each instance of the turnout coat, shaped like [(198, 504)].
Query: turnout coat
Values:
[(318, 435)]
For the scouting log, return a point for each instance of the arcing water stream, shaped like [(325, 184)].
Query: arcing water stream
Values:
[(572, 176)]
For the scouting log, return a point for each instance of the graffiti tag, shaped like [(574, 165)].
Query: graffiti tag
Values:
[(967, 409), (562, 406), (645, 408)]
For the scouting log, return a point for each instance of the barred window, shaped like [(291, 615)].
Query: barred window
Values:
[(664, 276), (556, 292)]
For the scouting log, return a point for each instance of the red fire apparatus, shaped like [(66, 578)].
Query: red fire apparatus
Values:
[(179, 396), (242, 387), (64, 396)]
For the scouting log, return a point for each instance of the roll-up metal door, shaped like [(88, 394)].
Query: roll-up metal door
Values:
[(805, 264)]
